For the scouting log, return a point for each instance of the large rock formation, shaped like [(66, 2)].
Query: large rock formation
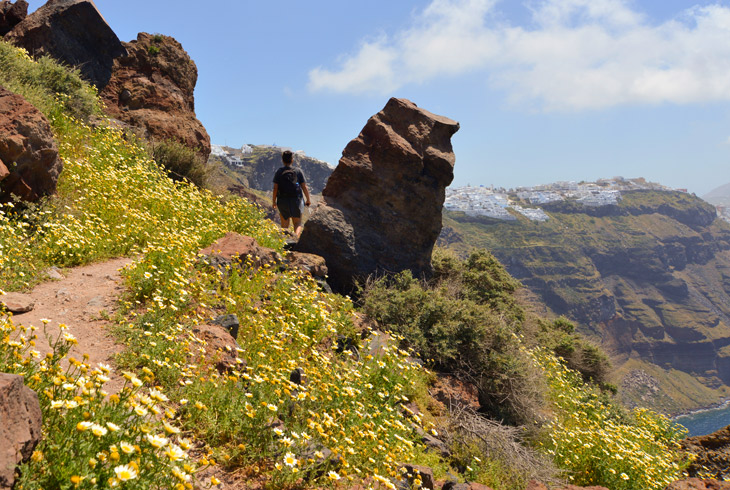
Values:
[(29, 163), (12, 14), (152, 89), (74, 32), (382, 204), (20, 426)]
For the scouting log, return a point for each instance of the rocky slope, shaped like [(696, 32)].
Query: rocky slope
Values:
[(649, 277)]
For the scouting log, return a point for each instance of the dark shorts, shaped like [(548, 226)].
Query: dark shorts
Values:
[(290, 207)]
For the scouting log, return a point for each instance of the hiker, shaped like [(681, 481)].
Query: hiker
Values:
[(289, 184)]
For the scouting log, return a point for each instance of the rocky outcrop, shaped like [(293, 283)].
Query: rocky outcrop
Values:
[(151, 89), (12, 14), (382, 204), (20, 429), (73, 32), (29, 162), (712, 455), (698, 484)]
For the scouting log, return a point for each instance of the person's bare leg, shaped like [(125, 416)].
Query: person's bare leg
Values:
[(284, 222), (297, 226)]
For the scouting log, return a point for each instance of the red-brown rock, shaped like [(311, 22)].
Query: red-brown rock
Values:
[(219, 348), (422, 473), (698, 484), (536, 485), (382, 204), (313, 264), (711, 454), (151, 89), (20, 426), (234, 247), (12, 14), (73, 32), (28, 152)]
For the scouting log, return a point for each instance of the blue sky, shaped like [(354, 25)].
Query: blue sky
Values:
[(545, 90)]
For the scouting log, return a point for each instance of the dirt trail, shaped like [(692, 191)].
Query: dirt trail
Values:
[(80, 301)]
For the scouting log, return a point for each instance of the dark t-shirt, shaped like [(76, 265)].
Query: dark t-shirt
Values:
[(300, 175)]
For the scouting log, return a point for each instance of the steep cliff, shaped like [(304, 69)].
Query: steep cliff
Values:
[(648, 276)]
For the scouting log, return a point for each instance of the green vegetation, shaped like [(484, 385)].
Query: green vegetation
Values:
[(643, 272), (153, 50), (343, 423), (180, 161), (349, 420)]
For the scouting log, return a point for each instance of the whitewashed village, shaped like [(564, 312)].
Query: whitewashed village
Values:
[(497, 202)]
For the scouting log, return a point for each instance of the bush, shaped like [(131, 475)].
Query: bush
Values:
[(464, 322), (47, 84), (180, 161)]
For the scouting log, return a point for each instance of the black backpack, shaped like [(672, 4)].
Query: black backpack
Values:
[(288, 183)]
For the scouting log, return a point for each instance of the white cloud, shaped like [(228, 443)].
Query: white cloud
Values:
[(576, 54)]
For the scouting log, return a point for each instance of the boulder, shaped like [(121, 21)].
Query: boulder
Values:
[(12, 14), (219, 347), (73, 32), (29, 162), (20, 430), (422, 473), (381, 209), (151, 90), (313, 264), (698, 484), (236, 248)]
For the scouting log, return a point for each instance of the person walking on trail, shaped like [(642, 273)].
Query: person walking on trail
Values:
[(289, 184)]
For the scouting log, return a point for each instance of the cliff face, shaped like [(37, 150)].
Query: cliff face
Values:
[(649, 276)]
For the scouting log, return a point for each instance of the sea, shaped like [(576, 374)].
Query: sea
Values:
[(705, 422)]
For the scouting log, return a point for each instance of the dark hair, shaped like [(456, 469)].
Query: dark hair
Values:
[(286, 156)]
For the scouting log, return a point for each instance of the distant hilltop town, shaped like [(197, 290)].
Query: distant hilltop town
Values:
[(496, 203)]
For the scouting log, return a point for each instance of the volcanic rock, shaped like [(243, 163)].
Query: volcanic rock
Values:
[(697, 484), (151, 89), (382, 205), (234, 248), (29, 163), (17, 302), (12, 14), (20, 430), (220, 348), (73, 32), (712, 454), (313, 264)]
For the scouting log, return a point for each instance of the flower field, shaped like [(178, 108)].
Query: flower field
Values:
[(177, 415)]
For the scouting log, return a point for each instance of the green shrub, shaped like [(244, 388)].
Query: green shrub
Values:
[(48, 85), (464, 322), (180, 161), (153, 50)]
